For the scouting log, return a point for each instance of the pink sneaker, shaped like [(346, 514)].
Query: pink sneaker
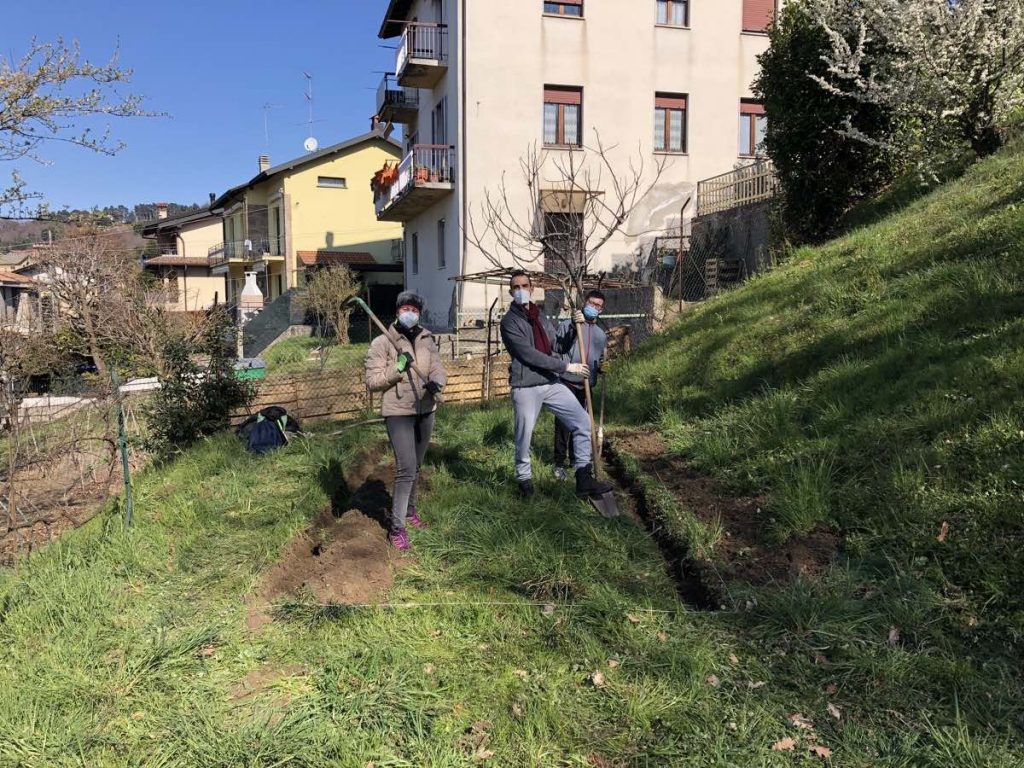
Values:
[(413, 519), (399, 539)]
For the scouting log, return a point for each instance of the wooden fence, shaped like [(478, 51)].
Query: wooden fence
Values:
[(749, 184), (338, 395)]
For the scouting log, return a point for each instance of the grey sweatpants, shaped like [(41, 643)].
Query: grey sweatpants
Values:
[(526, 404), (410, 436)]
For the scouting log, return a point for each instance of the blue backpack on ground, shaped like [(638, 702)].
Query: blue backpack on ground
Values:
[(267, 430)]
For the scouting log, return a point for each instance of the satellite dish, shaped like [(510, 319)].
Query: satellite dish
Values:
[(310, 144)]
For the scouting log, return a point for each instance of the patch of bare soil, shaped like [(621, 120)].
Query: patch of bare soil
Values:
[(259, 679), (344, 557), (743, 552)]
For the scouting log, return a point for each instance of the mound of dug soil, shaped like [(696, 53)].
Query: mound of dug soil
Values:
[(743, 552), (344, 557)]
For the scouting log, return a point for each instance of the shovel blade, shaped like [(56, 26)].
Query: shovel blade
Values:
[(606, 505)]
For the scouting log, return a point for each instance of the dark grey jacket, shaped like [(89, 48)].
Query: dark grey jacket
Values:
[(569, 350), (530, 367)]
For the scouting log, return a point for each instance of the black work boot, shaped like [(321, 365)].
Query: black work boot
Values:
[(587, 486), (525, 489)]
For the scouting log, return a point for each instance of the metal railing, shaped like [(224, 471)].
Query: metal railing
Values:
[(752, 183), (426, 164), (246, 250), (391, 94), (422, 41)]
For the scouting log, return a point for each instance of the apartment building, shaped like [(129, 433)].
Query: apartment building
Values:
[(182, 262), (477, 83)]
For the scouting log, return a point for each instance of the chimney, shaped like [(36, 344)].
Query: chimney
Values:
[(264, 162), (375, 123), (213, 197), (161, 210)]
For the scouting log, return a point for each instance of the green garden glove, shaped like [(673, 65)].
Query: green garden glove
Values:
[(404, 361)]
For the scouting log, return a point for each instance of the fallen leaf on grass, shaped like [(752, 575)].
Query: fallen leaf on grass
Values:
[(831, 689), (894, 637), (943, 533), (484, 647), (663, 637), (799, 721), (834, 711), (206, 651), (823, 752), (820, 660), (613, 663), (548, 609), (517, 710), (758, 684), (138, 715), (483, 754), (712, 680), (733, 659), (633, 618), (428, 669), (521, 673), (435, 633), (596, 679), (784, 745)]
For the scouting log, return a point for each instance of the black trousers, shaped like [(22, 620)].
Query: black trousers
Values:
[(563, 437)]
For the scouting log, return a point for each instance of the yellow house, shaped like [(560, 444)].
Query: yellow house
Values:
[(314, 210), (182, 263)]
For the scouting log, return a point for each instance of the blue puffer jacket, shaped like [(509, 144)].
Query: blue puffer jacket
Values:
[(530, 367)]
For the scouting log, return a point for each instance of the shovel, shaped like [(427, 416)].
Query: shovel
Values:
[(384, 330), (605, 504), (600, 429)]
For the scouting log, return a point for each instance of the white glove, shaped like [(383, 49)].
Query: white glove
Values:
[(578, 369), (578, 317)]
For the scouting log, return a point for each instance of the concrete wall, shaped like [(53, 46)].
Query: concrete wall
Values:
[(621, 58), (738, 234)]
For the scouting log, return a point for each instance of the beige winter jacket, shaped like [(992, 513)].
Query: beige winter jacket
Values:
[(404, 393)]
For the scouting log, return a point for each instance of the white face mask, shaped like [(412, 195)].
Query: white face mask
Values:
[(521, 295), (408, 319)]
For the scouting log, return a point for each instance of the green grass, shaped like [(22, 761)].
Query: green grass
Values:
[(875, 384), (295, 355)]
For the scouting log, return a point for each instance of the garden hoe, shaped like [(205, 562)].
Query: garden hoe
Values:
[(605, 504), (389, 337)]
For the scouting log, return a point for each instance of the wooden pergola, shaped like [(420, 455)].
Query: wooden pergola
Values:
[(542, 280)]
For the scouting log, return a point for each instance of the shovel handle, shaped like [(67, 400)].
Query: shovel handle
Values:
[(384, 331), (596, 450)]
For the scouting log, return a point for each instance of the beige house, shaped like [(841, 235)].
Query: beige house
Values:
[(477, 84), (310, 211), (182, 264)]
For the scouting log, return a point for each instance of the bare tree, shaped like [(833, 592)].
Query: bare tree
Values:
[(330, 290), (84, 275), (575, 204), (52, 94)]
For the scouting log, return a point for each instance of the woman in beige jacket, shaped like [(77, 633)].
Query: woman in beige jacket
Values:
[(408, 404)]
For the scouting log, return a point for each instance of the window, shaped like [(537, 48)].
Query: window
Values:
[(753, 125), (439, 123), (414, 261), (674, 13), (335, 182), (669, 122), (758, 15), (563, 112), (563, 241), (565, 8), (440, 244)]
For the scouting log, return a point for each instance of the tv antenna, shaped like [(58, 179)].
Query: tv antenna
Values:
[(266, 121), (310, 144)]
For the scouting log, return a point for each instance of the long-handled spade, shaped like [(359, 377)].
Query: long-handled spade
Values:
[(384, 330), (605, 504)]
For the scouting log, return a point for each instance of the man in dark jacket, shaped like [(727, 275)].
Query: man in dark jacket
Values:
[(534, 376), (595, 341)]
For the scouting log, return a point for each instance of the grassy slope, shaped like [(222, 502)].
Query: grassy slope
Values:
[(876, 384)]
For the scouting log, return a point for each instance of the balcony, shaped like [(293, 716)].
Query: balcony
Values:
[(422, 55), (424, 176), (248, 251), (396, 104)]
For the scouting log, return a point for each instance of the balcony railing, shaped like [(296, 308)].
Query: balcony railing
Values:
[(422, 55), (429, 167), (749, 184), (397, 104)]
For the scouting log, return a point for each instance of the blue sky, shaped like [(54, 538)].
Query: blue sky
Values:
[(211, 66)]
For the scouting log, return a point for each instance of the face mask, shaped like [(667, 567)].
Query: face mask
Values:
[(591, 312), (521, 295), (408, 319)]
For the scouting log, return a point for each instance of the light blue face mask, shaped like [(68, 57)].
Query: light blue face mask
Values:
[(521, 295), (408, 319), (591, 312)]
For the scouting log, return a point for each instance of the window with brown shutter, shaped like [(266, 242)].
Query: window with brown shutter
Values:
[(753, 126), (670, 122), (565, 8), (758, 15), (563, 116)]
